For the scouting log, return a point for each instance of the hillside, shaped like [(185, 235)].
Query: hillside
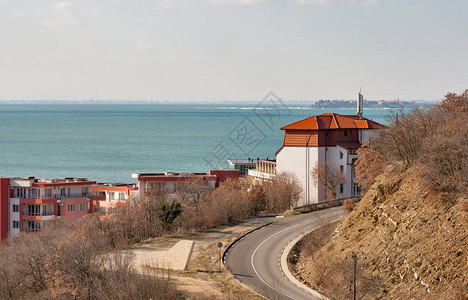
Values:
[(412, 246), (410, 229)]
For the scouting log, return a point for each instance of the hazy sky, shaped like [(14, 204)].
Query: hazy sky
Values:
[(232, 49)]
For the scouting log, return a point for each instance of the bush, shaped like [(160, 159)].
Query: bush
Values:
[(282, 193), (72, 260), (349, 205)]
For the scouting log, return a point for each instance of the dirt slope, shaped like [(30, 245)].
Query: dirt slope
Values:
[(411, 246)]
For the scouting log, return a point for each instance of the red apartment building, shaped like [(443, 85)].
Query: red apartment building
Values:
[(25, 204), (114, 195), (167, 182)]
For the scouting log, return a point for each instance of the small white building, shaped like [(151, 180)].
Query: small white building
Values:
[(265, 171), (331, 138)]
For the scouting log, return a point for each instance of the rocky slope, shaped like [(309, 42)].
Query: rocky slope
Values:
[(411, 244)]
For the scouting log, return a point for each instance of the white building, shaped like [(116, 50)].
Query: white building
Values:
[(331, 138)]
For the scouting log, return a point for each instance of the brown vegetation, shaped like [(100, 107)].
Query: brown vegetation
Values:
[(311, 262), (72, 261), (282, 193), (327, 175), (349, 205)]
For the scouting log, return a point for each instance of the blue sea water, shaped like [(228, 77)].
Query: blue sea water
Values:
[(109, 142)]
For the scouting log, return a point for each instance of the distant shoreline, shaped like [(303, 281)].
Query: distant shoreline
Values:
[(312, 104)]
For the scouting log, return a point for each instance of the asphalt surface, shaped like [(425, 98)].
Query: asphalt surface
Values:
[(255, 259)]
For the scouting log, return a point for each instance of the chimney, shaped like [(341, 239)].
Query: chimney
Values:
[(360, 100)]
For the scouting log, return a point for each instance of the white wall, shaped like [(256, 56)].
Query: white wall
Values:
[(294, 160), (366, 134), (300, 161), (14, 216)]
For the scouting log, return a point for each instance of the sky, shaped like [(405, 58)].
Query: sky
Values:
[(215, 50)]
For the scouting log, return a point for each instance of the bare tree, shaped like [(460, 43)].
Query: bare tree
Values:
[(283, 193), (193, 194), (327, 175), (256, 199), (72, 260), (227, 203)]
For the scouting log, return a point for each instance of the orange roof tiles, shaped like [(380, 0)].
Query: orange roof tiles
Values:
[(333, 121)]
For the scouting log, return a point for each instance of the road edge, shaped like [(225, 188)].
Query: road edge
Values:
[(284, 261), (226, 251)]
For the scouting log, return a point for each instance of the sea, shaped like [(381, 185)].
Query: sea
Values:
[(109, 142)]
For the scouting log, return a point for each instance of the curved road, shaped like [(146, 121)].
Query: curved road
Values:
[(255, 259)]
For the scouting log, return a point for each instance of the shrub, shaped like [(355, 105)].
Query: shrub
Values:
[(349, 205)]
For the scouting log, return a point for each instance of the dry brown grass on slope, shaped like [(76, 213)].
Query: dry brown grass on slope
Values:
[(415, 244)]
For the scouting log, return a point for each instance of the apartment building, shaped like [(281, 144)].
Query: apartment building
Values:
[(148, 183), (26, 203)]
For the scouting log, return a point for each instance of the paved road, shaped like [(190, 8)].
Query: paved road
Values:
[(255, 260)]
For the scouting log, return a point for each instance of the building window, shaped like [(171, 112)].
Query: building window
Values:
[(85, 190), (15, 208), (341, 155), (15, 224), (48, 192), (346, 133), (341, 168), (341, 188), (33, 226), (81, 207), (158, 185), (71, 207)]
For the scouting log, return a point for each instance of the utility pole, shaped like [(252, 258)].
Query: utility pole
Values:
[(219, 255), (354, 257)]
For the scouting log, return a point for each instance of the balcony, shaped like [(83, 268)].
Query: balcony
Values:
[(58, 196), (263, 175), (43, 214), (26, 229)]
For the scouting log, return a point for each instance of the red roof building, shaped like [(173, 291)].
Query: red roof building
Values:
[(331, 138)]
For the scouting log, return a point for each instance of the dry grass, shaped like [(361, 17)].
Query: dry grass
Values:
[(205, 278)]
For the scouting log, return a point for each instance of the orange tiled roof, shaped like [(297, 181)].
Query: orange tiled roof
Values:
[(334, 121)]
